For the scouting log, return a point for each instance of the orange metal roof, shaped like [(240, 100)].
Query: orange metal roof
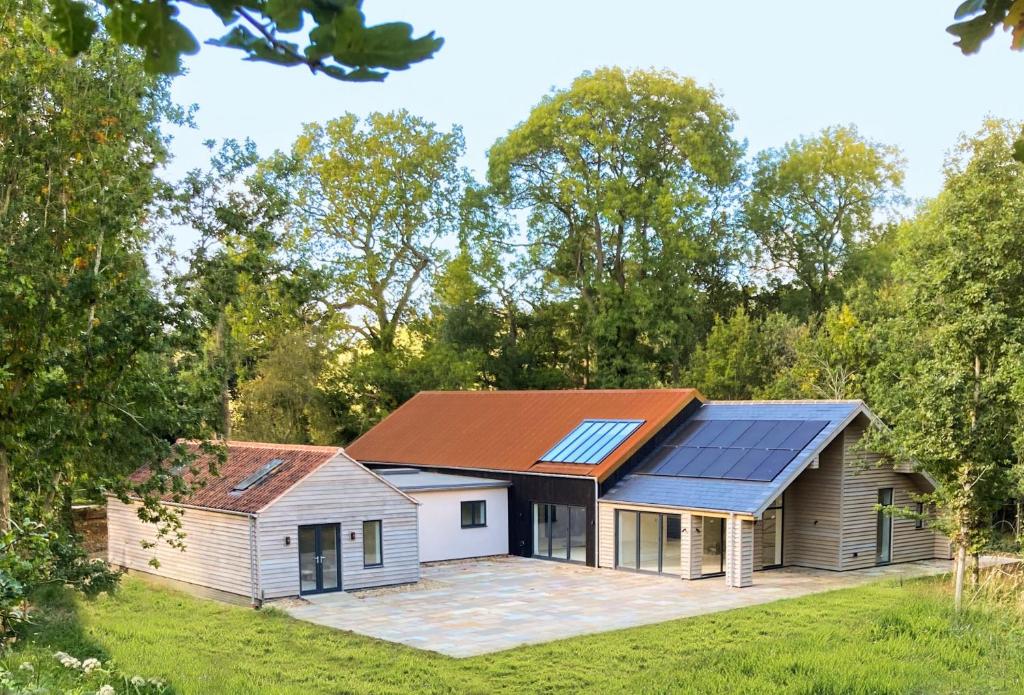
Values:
[(244, 459), (511, 430)]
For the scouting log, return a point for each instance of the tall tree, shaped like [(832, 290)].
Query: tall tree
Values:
[(374, 201), (90, 359), (954, 349), (813, 200), (626, 176)]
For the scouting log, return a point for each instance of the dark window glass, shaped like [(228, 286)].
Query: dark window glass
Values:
[(474, 514), (373, 551), (920, 510)]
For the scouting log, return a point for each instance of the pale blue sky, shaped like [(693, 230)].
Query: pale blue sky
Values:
[(785, 68)]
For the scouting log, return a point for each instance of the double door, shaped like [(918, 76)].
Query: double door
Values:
[(319, 558)]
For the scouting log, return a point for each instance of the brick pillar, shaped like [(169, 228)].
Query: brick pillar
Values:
[(691, 553), (739, 552)]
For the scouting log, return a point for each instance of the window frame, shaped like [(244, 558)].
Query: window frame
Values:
[(380, 543), (919, 521), (482, 506)]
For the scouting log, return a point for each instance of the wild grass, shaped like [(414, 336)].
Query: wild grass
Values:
[(882, 638)]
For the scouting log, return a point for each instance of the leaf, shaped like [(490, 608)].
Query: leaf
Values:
[(73, 27), (1014, 22), (969, 9), (151, 26), (972, 33), (1018, 149), (287, 14)]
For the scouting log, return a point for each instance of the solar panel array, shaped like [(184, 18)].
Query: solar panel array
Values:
[(732, 449), (591, 441), (257, 477)]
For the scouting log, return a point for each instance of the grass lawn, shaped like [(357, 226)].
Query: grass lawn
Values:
[(882, 638)]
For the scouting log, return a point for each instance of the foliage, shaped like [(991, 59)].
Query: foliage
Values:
[(742, 355), (977, 21), (340, 44), (625, 176), (955, 344), (889, 637), (813, 200)]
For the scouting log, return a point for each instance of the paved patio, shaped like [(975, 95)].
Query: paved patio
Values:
[(475, 607)]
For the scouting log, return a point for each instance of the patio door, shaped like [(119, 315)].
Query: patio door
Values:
[(883, 533), (560, 532), (319, 558), (713, 546)]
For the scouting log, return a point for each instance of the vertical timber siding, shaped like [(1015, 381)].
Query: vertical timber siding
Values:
[(216, 551), (812, 514), (339, 492), (862, 478)]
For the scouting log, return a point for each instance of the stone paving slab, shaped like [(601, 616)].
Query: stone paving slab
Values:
[(468, 608)]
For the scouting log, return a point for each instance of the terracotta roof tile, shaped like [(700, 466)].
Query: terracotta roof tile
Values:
[(511, 430), (244, 459)]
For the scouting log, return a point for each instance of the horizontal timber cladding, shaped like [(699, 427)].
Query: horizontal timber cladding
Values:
[(216, 553), (811, 519), (339, 492), (527, 489), (862, 478)]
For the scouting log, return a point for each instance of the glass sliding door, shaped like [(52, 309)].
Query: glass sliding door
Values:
[(650, 542), (883, 535), (319, 558), (671, 544), (628, 530), (713, 542), (647, 541), (560, 532)]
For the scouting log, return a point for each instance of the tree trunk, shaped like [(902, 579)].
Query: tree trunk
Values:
[(975, 570), (958, 582), (5, 491), (221, 340)]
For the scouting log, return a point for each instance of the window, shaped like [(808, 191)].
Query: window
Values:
[(474, 514), (560, 532), (373, 551), (883, 534), (648, 541), (919, 522)]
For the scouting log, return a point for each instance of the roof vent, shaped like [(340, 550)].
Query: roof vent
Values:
[(257, 477)]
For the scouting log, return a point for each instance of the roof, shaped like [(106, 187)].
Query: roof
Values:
[(245, 459), (650, 484), (413, 480), (512, 430)]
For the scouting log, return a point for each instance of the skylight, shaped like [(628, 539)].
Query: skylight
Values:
[(257, 477), (591, 441)]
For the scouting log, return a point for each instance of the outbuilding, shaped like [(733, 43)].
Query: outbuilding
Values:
[(276, 521), (461, 516)]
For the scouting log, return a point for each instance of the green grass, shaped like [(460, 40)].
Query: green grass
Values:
[(882, 638)]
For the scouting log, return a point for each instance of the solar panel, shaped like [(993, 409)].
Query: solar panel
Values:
[(591, 441), (755, 450), (257, 477)]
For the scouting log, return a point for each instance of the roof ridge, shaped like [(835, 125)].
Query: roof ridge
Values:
[(783, 401), (686, 389), (272, 445)]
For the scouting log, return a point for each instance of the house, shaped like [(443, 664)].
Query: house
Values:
[(512, 436), (279, 520), (663, 481), (460, 516)]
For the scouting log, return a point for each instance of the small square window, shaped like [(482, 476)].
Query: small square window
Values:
[(919, 522), (474, 514), (373, 549)]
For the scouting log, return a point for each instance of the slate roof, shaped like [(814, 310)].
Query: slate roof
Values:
[(739, 496), (244, 459), (413, 480), (512, 430)]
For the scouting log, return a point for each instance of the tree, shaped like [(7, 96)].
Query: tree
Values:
[(953, 351), (742, 355), (977, 21), (813, 200), (625, 176), (91, 361), (373, 203), (340, 44)]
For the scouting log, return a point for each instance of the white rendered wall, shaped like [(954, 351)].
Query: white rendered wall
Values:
[(441, 534)]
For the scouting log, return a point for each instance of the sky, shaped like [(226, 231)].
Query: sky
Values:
[(787, 68)]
